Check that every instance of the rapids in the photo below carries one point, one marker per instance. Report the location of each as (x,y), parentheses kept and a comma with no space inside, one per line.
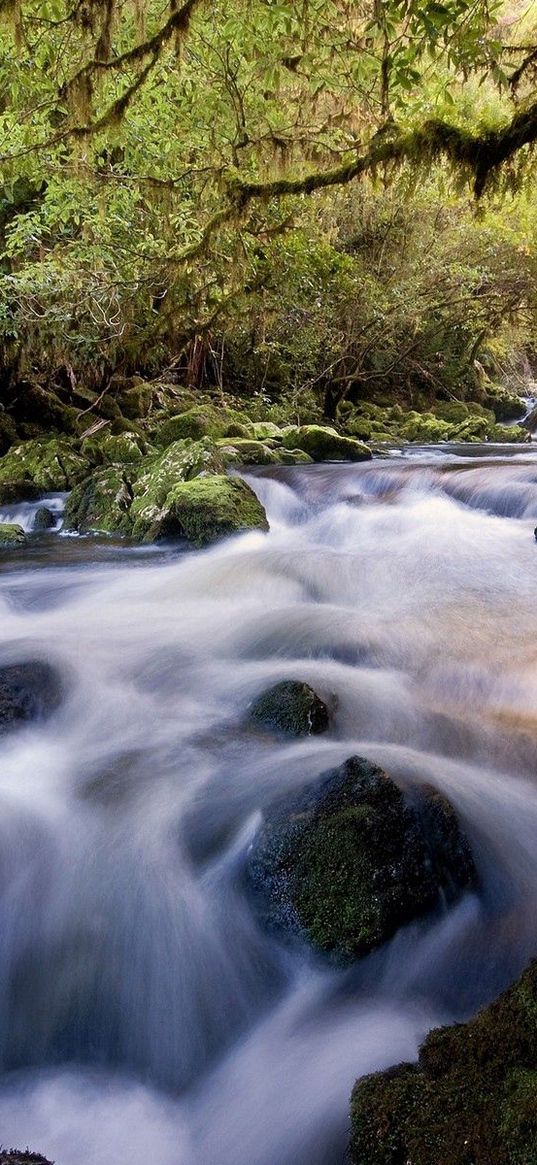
(143,1014)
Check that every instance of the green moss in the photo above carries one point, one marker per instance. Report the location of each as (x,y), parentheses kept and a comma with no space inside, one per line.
(324,444)
(208,508)
(264,430)
(246,452)
(291,708)
(107,449)
(100,503)
(196,423)
(470,1100)
(346,861)
(11,535)
(51,463)
(160,473)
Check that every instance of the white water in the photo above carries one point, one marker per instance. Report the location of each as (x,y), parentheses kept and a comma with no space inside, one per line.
(143,1014)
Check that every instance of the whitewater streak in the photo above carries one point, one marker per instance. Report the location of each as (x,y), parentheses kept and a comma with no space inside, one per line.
(143,1013)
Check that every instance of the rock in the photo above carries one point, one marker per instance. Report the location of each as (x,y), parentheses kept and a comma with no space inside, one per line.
(207,508)
(46,464)
(18,491)
(101,503)
(203,421)
(247,452)
(126,448)
(470,1100)
(291,708)
(44,519)
(11,535)
(160,474)
(15,1157)
(347,860)
(265,430)
(28,691)
(324,444)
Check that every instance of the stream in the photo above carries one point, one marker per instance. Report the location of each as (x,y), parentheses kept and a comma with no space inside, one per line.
(144,1014)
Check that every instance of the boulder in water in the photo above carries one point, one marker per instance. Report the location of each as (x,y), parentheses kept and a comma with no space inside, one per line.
(470,1100)
(291,708)
(11,535)
(28,691)
(44,519)
(325,444)
(208,508)
(100,503)
(348,860)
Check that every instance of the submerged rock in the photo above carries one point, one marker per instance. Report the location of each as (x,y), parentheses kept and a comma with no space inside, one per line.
(292,708)
(28,691)
(348,860)
(325,444)
(208,508)
(11,534)
(470,1100)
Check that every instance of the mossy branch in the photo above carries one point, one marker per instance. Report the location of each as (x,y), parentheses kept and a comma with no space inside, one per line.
(480,155)
(177,24)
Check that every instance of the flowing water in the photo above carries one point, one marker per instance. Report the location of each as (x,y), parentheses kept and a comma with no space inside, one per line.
(143,1013)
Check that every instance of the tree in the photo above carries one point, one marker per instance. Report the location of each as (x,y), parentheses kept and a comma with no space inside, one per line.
(146,161)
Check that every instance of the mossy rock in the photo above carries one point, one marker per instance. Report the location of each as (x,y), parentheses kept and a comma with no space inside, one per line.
(11,535)
(235,429)
(505,405)
(246,452)
(347,860)
(100,503)
(209,508)
(293,457)
(470,1100)
(194,424)
(160,473)
(8,433)
(510,433)
(44,519)
(453,411)
(324,444)
(290,708)
(265,431)
(49,464)
(108,449)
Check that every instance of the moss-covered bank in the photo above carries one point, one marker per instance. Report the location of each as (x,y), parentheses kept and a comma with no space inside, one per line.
(470,1100)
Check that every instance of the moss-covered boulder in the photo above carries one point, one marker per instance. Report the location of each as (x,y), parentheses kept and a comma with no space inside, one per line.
(160,473)
(47,463)
(348,860)
(100,503)
(324,444)
(241,451)
(107,448)
(196,423)
(291,708)
(11,535)
(505,405)
(265,431)
(28,691)
(44,519)
(206,509)
(470,1100)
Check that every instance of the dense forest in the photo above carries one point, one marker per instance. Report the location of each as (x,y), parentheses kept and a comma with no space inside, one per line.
(297,204)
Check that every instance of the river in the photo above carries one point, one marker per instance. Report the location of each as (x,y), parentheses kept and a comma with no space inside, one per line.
(143,1013)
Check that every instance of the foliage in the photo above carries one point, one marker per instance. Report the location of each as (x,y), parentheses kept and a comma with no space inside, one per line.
(153,171)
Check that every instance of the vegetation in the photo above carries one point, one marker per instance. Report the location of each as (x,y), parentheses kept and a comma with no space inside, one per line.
(471,1099)
(259,201)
